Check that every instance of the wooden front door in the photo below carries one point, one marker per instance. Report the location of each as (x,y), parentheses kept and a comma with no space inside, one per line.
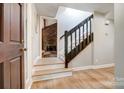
(11,46)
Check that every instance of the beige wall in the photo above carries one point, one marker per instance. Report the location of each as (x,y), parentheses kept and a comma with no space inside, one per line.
(103,40)
(119,44)
(35,34)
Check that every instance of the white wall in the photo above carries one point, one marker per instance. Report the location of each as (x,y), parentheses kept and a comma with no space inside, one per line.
(119,44)
(103,40)
(32,39)
(35,34)
(68,18)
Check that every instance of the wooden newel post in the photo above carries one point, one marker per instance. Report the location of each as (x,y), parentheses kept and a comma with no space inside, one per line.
(66,49)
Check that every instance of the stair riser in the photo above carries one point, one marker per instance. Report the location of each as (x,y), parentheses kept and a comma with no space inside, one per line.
(52,76)
(47,67)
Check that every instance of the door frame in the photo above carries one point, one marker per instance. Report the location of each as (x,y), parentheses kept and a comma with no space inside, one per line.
(23,63)
(25,44)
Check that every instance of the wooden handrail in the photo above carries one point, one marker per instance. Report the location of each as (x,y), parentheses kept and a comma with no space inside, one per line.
(62,36)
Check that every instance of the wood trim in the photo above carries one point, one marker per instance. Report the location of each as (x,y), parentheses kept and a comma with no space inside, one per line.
(22,39)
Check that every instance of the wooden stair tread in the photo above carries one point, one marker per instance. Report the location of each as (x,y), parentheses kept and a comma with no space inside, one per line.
(51,71)
(49,61)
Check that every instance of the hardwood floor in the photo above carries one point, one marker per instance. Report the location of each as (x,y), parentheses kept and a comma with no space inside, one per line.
(94,78)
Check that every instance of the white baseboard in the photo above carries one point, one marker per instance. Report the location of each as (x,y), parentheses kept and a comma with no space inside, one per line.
(28,84)
(119,83)
(52,76)
(119,79)
(92,67)
(81,68)
(102,66)
(36,59)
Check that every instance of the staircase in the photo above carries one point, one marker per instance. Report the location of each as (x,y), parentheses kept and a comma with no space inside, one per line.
(50,68)
(77,39)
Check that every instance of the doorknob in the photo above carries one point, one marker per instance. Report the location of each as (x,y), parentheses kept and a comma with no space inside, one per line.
(23,49)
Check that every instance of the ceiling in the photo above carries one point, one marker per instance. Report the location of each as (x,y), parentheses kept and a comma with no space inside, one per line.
(50,9)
